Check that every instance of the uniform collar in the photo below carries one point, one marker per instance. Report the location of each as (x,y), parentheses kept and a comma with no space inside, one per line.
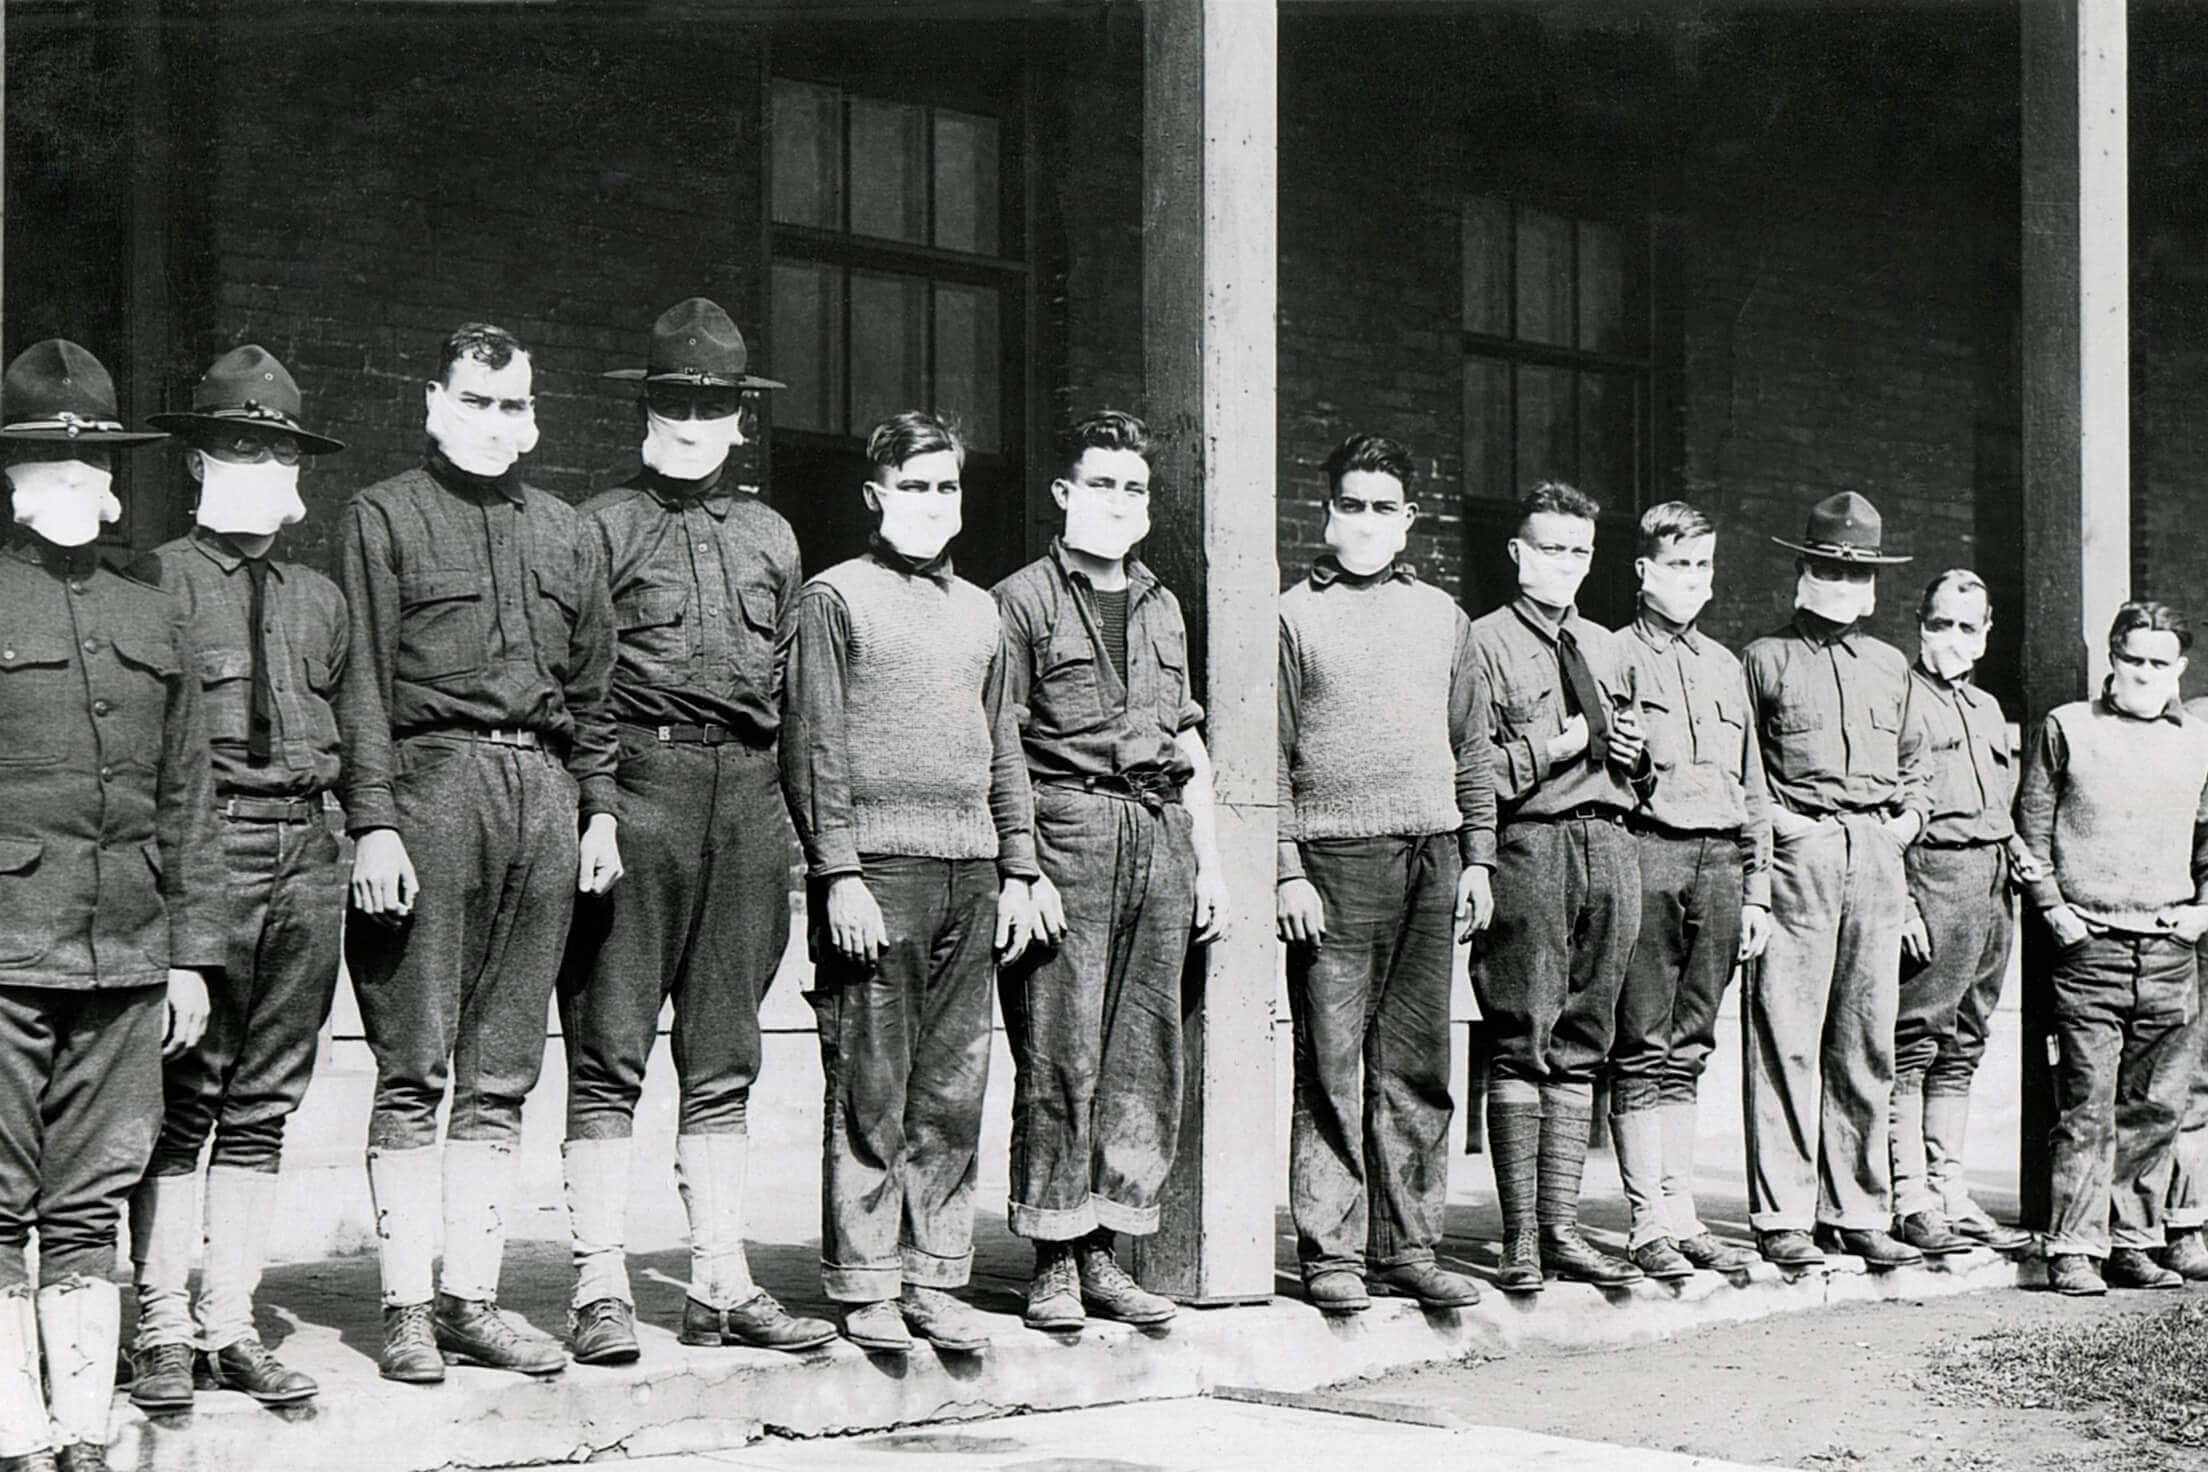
(936,568)
(1531,615)
(716,492)
(1327,569)
(63,562)
(1962,687)
(1824,632)
(2174,712)
(217,548)
(467,483)
(1657,635)
(1141,581)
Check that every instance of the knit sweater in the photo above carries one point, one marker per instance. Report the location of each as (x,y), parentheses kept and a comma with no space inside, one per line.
(1371,754)
(915,729)
(2114,808)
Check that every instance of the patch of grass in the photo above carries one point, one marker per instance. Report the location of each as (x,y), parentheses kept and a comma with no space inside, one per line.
(2146,1375)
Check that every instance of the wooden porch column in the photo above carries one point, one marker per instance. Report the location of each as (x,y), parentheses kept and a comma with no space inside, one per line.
(1209,288)
(2077,417)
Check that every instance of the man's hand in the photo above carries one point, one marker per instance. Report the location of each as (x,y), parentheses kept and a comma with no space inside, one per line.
(1755,931)
(2069,929)
(1298,912)
(1569,742)
(2187,922)
(601,856)
(1211,906)
(1628,743)
(1916,941)
(1475,902)
(855,926)
(1049,909)
(187,1010)
(2023,868)
(1015,920)
(384,886)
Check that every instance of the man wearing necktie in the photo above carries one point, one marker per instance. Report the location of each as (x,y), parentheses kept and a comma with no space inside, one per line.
(1569,754)
(1847,779)
(271,638)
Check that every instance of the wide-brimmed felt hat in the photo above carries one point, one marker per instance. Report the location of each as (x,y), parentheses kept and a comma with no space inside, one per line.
(55,390)
(1844,528)
(695,343)
(247,388)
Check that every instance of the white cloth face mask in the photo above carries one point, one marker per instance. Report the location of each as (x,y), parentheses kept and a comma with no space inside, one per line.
(689,449)
(1950,653)
(64,501)
(1104,523)
(248,500)
(919,525)
(482,442)
(1676,593)
(1368,542)
(1550,581)
(1839,601)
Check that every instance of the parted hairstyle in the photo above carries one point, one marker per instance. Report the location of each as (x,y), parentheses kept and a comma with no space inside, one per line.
(1670,521)
(1370,452)
(2152,617)
(1106,429)
(914,432)
(1555,498)
(493,347)
(1962,580)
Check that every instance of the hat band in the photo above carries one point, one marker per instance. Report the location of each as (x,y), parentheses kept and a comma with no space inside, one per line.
(65,421)
(1839,551)
(251,412)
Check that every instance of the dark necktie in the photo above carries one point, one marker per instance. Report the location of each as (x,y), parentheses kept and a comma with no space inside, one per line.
(260,728)
(1582,696)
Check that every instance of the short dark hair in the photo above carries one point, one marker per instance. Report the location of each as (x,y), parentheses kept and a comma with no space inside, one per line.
(1962,580)
(1671,521)
(493,347)
(1554,498)
(1369,452)
(1106,429)
(915,432)
(2153,618)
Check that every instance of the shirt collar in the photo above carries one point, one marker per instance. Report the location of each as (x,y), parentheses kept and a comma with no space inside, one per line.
(219,550)
(2174,712)
(467,483)
(1140,579)
(716,493)
(1822,631)
(1656,636)
(1530,614)
(68,562)
(1327,569)
(937,568)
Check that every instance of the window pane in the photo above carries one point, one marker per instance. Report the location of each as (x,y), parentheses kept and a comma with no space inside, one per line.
(1602,294)
(969,356)
(1544,277)
(1487,266)
(1488,460)
(1545,439)
(808,155)
(966,182)
(889,338)
(1606,437)
(808,346)
(889,160)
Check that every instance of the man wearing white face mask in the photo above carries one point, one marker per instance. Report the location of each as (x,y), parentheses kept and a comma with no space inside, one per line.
(902,768)
(1956,939)
(1704,840)
(1098,675)
(476,724)
(1387,837)
(2114,808)
(704,580)
(272,641)
(1848,793)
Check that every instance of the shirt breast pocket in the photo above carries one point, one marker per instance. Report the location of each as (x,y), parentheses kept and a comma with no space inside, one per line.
(753,656)
(441,634)
(226,691)
(1068,695)
(1528,712)
(146,662)
(36,684)
(320,695)
(1171,649)
(652,627)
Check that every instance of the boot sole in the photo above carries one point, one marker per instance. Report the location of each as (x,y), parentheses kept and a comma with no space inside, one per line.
(279,1398)
(1386,1290)
(621,1354)
(898,1347)
(414,1377)
(733,1341)
(163,1405)
(1139,1321)
(1573,1275)
(1669,1275)
(1522,1287)
(534,1372)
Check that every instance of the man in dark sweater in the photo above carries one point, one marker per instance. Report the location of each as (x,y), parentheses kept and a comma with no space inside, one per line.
(1568,751)
(902,767)
(1387,837)
(475,725)
(1098,675)
(2114,808)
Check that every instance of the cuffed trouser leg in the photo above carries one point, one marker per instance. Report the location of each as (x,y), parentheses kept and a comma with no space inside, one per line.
(710,1171)
(80,1326)
(23,1422)
(240,1206)
(404,1185)
(479,1191)
(164,1232)
(596,1172)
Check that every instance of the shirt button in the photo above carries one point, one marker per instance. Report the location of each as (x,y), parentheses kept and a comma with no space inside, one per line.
(101,707)
(91,646)
(107,774)
(75,586)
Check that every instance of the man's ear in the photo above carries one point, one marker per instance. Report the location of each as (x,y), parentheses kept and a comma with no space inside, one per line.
(193,467)
(1410,511)
(871,495)
(1059,491)
(2178,669)
(1513,545)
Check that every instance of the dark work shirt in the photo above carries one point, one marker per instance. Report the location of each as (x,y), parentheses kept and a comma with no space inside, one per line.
(1111,627)
(1828,704)
(1709,770)
(476,605)
(304,639)
(1970,777)
(704,583)
(1078,716)
(1518,654)
(110,854)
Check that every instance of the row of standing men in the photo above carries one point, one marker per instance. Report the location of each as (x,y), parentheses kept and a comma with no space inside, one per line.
(566,738)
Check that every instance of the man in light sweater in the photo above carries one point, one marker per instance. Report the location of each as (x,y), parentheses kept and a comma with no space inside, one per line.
(1098,673)
(902,768)
(2114,808)
(1387,837)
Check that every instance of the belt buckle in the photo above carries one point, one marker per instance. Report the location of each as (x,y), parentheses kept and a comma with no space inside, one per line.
(230,807)
(666,735)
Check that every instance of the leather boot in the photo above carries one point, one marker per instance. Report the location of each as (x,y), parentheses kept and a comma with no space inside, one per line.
(164,1233)
(1929,1233)
(22,1395)
(1433,1285)
(1110,1292)
(2131,1267)
(710,1171)
(246,1364)
(2071,1274)
(943,1321)
(80,1324)
(1563,1161)
(602,1317)
(1054,1292)
(161,1378)
(759,1322)
(479,1332)
(1514,1137)
(2186,1254)
(410,1345)
(1877,1249)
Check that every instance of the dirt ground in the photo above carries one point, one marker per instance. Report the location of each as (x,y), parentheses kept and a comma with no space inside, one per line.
(1857,1387)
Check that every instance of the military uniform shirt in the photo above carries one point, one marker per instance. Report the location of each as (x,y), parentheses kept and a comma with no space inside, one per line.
(1519,656)
(1970,777)
(1828,712)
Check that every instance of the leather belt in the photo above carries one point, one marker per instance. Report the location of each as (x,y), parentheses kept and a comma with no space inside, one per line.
(1948,844)
(1655,829)
(496,735)
(698,736)
(1154,793)
(1586,812)
(269,809)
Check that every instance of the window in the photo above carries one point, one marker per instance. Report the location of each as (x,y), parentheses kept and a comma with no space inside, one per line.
(1558,370)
